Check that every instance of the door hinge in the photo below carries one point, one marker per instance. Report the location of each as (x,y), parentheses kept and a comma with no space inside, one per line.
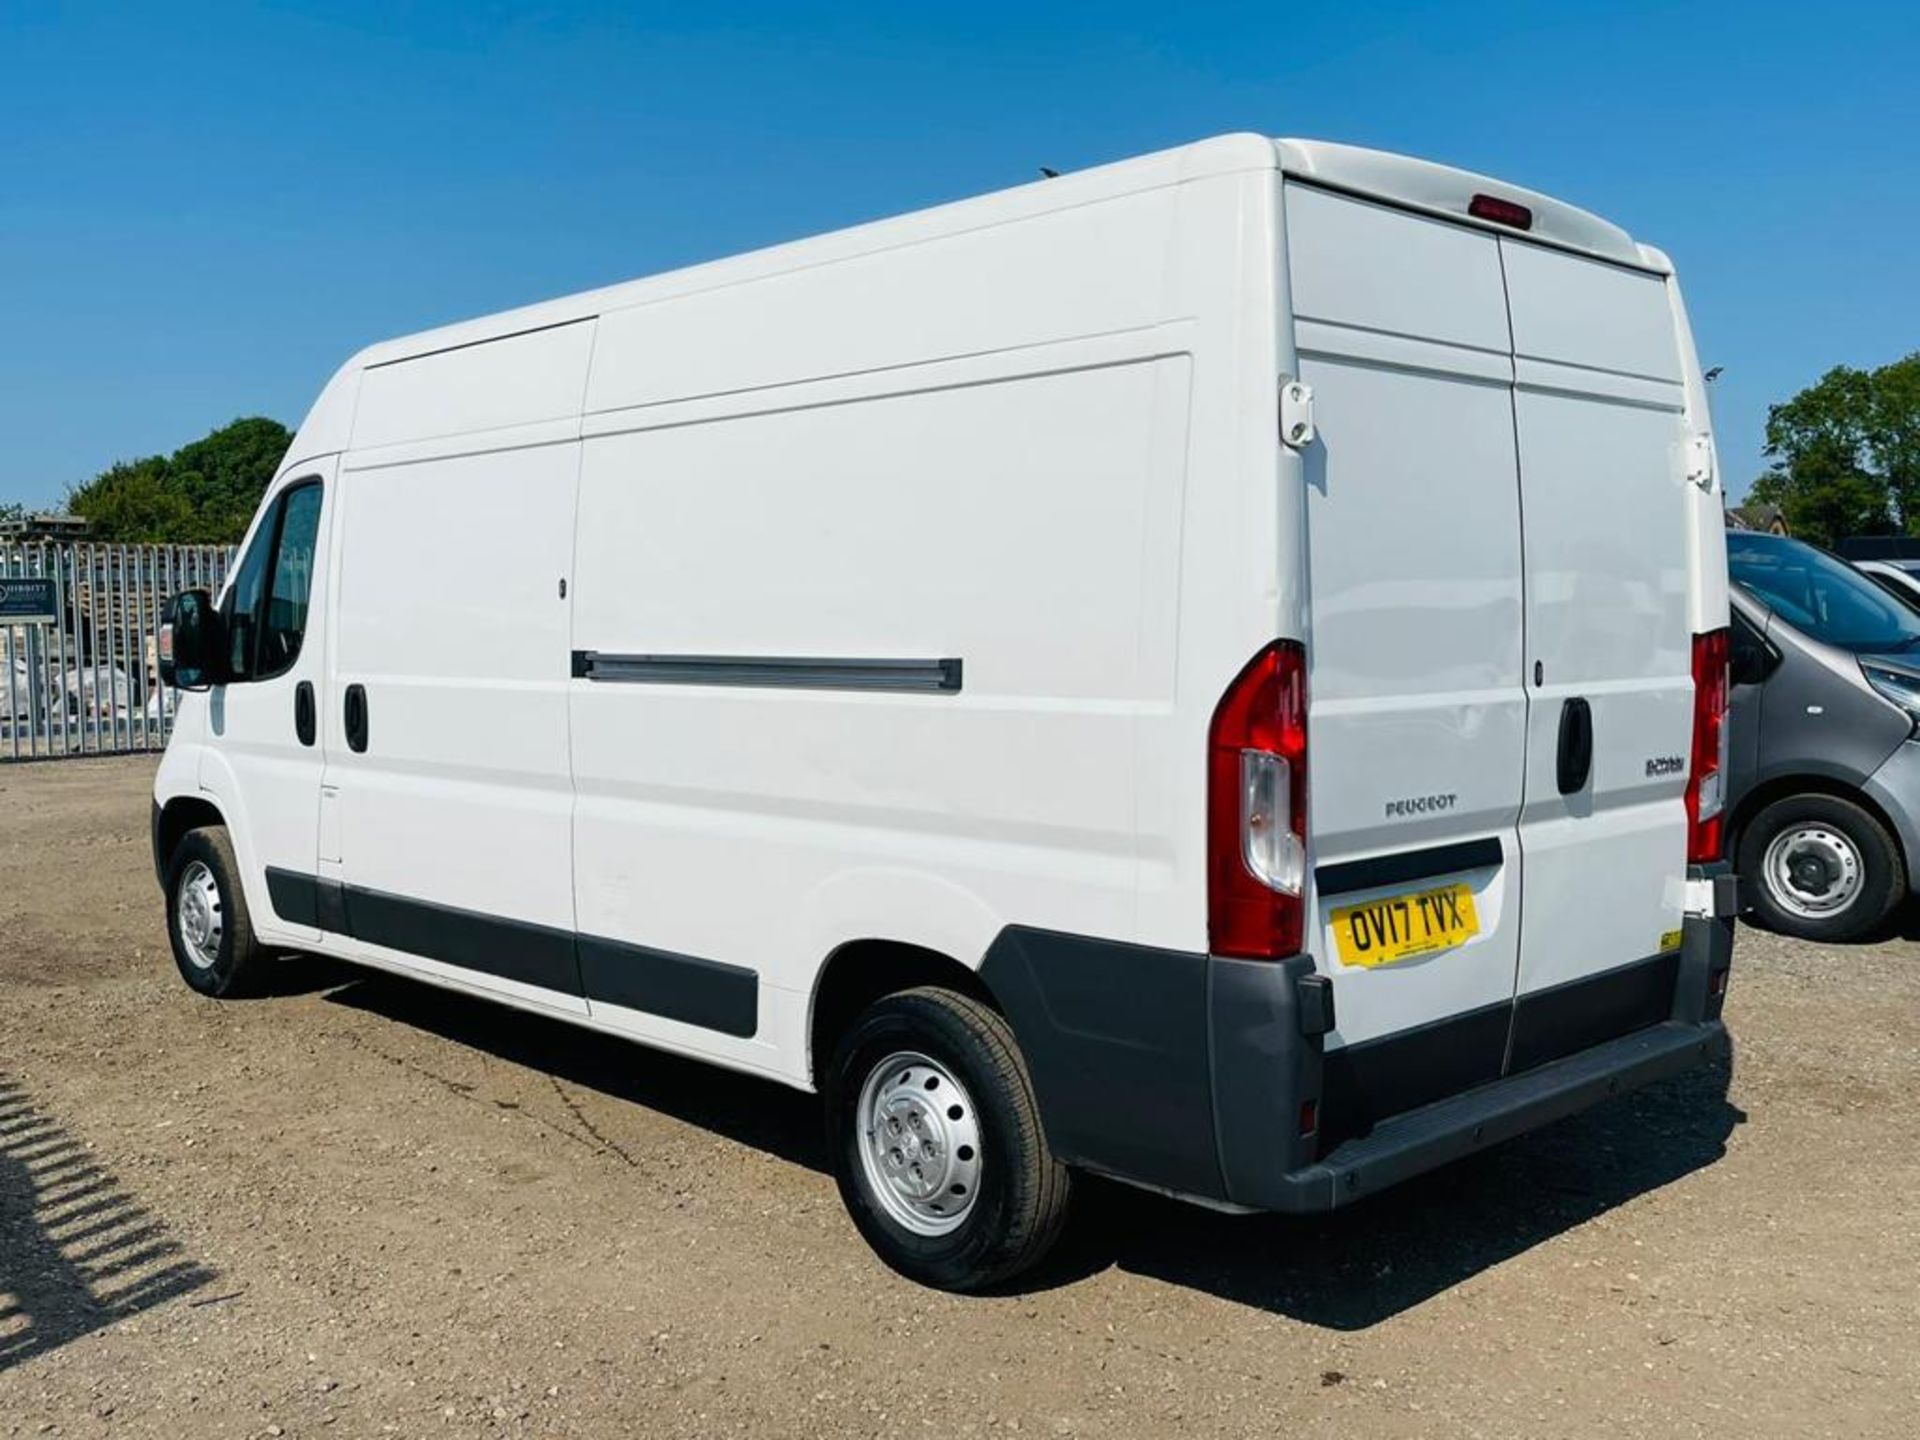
(1700,461)
(1296,414)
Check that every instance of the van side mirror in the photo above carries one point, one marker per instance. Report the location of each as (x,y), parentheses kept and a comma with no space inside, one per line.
(192,650)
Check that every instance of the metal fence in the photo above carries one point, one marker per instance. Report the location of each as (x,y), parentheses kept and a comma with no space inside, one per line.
(87,681)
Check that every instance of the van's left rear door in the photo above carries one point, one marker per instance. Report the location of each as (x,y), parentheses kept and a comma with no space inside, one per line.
(1418,707)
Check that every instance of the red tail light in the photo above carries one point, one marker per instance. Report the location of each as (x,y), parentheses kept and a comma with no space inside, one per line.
(1707,772)
(1257,808)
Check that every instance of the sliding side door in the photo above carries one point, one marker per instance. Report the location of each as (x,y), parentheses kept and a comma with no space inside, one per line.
(447,816)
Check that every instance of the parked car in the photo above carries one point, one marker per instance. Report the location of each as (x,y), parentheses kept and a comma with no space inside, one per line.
(1901,550)
(1070,675)
(1895,577)
(1824,771)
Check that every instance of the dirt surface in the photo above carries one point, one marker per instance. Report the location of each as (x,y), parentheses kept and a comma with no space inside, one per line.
(363,1207)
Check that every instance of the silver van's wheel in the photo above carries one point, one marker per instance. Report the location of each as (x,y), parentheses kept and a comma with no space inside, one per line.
(1812,871)
(937,1142)
(1820,867)
(210,931)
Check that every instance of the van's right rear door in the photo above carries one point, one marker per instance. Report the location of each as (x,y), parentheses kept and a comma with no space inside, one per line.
(1599,410)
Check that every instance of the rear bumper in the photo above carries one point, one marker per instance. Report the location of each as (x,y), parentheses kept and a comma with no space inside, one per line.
(1409,1144)
(1196,1074)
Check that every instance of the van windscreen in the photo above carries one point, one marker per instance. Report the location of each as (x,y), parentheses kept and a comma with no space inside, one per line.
(1821,595)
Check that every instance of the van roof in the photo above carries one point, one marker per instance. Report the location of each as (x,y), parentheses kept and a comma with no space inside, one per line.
(1447,191)
(1375,174)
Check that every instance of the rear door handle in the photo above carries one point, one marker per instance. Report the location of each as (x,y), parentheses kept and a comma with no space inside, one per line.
(303,712)
(1576,745)
(356,718)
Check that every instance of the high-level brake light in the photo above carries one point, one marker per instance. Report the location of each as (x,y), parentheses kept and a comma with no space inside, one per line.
(1500,212)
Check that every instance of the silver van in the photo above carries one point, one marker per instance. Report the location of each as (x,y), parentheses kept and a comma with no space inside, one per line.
(1824,769)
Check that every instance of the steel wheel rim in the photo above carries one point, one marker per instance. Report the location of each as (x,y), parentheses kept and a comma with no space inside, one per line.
(919,1139)
(198,918)
(1813,871)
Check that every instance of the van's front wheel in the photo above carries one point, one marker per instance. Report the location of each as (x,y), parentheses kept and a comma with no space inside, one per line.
(937,1142)
(1820,867)
(207,919)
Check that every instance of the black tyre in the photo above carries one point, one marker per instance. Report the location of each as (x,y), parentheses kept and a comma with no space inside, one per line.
(937,1142)
(1820,867)
(207,921)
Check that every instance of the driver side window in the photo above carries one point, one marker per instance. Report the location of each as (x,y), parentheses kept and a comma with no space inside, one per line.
(266,607)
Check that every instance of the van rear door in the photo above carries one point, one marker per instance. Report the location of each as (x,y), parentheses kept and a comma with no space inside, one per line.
(1418,704)
(1599,412)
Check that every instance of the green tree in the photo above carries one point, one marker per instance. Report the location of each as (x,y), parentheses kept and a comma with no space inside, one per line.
(131,501)
(1846,454)
(204,493)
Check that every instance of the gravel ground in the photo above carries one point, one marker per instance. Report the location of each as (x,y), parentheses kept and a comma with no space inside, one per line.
(366,1208)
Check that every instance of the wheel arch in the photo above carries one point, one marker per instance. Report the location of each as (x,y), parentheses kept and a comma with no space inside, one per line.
(1783,787)
(859,972)
(171,822)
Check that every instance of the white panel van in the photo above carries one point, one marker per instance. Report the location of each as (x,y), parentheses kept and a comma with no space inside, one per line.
(1209,670)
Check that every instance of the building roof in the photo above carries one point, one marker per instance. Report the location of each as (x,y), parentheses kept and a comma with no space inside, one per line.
(1757,517)
(44,525)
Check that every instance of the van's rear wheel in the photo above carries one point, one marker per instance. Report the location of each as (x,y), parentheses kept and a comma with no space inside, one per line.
(1820,867)
(207,920)
(937,1142)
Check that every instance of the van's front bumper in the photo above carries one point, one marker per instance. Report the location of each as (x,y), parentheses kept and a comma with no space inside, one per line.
(1895,788)
(153,837)
(1204,1076)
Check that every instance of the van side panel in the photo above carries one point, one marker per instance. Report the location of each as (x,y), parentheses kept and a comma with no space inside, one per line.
(1707,598)
(475,389)
(961,456)
(1001,524)
(973,293)
(1236,515)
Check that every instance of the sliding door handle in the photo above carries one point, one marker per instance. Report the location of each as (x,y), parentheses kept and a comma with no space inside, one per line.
(356,718)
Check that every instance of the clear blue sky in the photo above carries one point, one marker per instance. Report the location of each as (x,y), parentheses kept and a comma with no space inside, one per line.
(205,207)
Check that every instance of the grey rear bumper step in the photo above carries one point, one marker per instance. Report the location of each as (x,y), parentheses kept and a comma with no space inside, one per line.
(1448,1129)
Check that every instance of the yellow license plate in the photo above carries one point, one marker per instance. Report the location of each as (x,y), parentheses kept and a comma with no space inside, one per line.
(1403,927)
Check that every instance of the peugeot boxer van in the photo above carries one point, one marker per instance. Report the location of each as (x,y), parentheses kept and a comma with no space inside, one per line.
(1823,772)
(1210,671)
